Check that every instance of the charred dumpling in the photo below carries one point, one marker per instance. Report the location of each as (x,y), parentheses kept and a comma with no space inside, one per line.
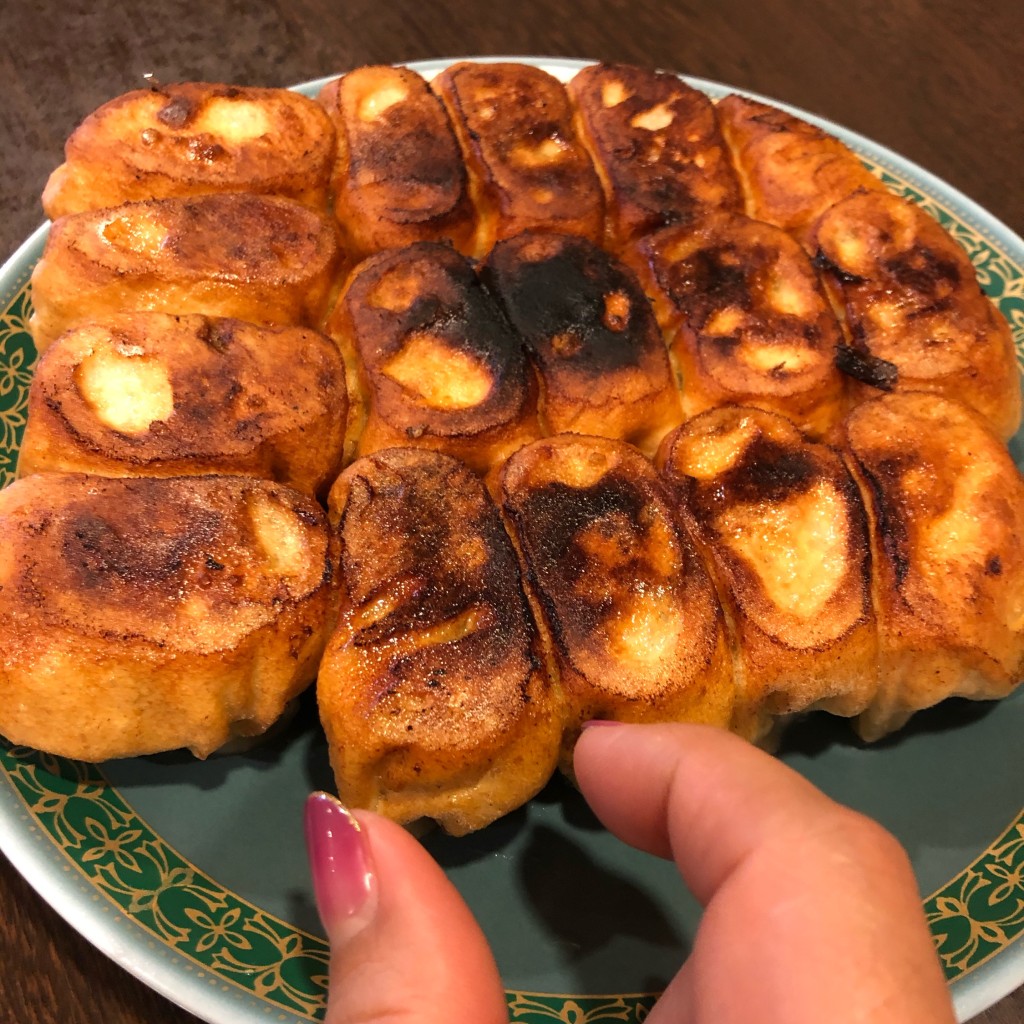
(592,334)
(633,625)
(915,315)
(433,691)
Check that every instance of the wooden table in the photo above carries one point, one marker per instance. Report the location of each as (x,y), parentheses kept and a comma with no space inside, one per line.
(939,83)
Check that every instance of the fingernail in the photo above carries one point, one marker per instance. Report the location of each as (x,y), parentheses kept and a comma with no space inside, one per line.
(342,867)
(599,721)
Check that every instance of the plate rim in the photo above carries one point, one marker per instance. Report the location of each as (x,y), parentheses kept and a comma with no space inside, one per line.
(112,932)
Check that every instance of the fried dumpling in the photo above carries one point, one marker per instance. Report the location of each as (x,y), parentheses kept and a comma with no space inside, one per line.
(151,394)
(657,148)
(194,138)
(432,691)
(782,525)
(633,624)
(399,176)
(142,615)
(915,316)
(791,170)
(946,507)
(527,167)
(436,362)
(256,258)
(746,317)
(590,329)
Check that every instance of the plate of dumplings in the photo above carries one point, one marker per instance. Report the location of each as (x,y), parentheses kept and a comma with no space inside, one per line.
(373,435)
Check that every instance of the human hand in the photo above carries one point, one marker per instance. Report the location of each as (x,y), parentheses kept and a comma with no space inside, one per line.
(811,910)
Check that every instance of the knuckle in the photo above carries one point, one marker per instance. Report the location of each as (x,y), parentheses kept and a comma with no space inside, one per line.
(866,842)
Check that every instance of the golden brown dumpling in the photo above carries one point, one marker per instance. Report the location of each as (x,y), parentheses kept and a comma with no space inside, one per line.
(657,148)
(141,615)
(194,138)
(784,531)
(746,318)
(946,506)
(432,691)
(150,394)
(256,258)
(527,167)
(791,170)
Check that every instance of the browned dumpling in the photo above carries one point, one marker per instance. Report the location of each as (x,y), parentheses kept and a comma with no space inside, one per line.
(151,394)
(432,691)
(784,530)
(946,506)
(603,365)
(437,364)
(657,148)
(193,138)
(791,171)
(527,167)
(398,177)
(631,617)
(252,257)
(915,315)
(746,317)
(145,615)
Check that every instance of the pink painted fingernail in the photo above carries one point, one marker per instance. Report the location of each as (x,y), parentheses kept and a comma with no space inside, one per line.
(599,721)
(339,856)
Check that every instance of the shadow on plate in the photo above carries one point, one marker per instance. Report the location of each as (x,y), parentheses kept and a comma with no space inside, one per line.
(302,912)
(814,734)
(588,907)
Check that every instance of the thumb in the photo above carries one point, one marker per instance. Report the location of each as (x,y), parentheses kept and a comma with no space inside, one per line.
(404,947)
(811,911)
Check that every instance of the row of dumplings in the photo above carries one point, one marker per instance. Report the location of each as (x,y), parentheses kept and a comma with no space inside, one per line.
(460,635)
(782,272)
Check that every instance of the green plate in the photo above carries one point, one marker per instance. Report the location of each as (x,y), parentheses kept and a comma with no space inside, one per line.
(192,874)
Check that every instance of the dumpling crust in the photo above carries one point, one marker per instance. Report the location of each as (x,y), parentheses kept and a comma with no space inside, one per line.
(590,329)
(784,530)
(194,138)
(256,258)
(151,394)
(432,691)
(657,147)
(631,617)
(947,533)
(140,615)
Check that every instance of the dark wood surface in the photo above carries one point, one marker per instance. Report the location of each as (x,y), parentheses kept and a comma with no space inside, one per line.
(938,82)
